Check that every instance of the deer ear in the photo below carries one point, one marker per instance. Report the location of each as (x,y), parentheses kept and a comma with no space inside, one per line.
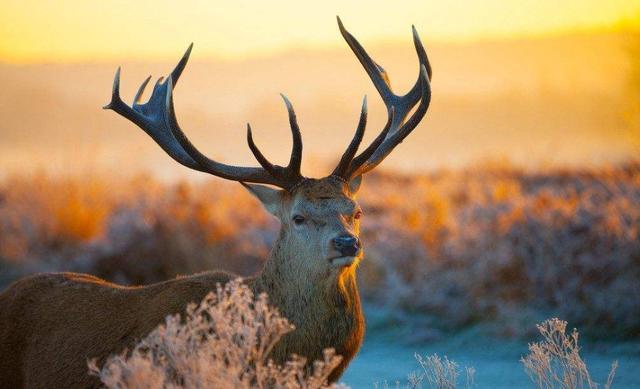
(354,184)
(269,197)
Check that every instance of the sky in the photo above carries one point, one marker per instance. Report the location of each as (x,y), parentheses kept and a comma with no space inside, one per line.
(33,31)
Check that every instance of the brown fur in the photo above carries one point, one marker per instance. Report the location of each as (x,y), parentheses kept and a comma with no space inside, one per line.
(51,324)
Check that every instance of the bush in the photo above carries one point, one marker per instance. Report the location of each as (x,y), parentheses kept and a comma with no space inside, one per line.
(439,373)
(511,247)
(555,362)
(492,244)
(224,342)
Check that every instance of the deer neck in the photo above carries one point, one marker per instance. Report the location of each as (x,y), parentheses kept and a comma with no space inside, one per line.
(325,308)
(300,295)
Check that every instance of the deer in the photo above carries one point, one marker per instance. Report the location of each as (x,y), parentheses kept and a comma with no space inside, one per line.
(51,324)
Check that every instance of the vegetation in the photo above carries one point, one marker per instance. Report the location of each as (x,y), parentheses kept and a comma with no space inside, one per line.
(491,244)
(224,342)
(555,362)
(439,373)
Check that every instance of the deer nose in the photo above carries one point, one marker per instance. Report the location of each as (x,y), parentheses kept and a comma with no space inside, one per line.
(347,245)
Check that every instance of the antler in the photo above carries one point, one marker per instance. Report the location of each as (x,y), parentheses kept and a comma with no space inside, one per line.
(158,119)
(398,126)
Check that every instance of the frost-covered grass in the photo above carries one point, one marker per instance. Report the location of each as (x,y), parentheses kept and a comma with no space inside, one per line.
(509,247)
(489,244)
(555,362)
(224,342)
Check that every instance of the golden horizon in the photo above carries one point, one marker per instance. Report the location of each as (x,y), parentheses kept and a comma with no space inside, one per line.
(80,31)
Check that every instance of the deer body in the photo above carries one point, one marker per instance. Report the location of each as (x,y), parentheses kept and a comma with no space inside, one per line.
(101,319)
(51,324)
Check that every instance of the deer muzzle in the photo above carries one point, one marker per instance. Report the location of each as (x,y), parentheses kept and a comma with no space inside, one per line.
(347,245)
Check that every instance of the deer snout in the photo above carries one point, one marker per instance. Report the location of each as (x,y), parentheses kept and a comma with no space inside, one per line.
(347,245)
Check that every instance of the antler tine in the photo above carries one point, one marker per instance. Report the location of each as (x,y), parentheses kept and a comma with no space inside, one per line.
(375,71)
(348,155)
(116,101)
(359,161)
(364,164)
(380,78)
(138,96)
(398,107)
(422,53)
(177,71)
(293,169)
(264,162)
(161,137)
(175,75)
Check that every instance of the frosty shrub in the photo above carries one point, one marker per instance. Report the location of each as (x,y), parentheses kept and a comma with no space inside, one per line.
(128,230)
(555,362)
(491,244)
(436,373)
(224,342)
(506,246)
(439,373)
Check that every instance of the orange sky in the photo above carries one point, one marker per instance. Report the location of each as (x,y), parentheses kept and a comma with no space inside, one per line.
(78,30)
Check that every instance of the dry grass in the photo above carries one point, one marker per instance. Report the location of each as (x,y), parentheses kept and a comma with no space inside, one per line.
(439,373)
(490,244)
(512,247)
(224,342)
(436,373)
(555,362)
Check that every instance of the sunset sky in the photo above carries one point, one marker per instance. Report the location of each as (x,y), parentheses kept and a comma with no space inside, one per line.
(78,30)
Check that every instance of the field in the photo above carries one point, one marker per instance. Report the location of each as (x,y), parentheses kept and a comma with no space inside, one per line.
(492,249)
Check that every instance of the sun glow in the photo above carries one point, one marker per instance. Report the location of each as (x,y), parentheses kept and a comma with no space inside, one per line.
(77,30)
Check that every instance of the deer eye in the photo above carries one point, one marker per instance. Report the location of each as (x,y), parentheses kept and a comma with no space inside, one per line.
(298,219)
(358,215)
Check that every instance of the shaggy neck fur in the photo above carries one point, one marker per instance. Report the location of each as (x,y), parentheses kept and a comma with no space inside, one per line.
(325,308)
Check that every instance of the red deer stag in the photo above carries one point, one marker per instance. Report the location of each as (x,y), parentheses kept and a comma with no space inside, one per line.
(51,324)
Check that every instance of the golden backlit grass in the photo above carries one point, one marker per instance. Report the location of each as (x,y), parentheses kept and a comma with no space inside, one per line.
(491,244)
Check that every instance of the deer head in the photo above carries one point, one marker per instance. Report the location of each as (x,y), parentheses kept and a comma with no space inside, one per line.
(319,217)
